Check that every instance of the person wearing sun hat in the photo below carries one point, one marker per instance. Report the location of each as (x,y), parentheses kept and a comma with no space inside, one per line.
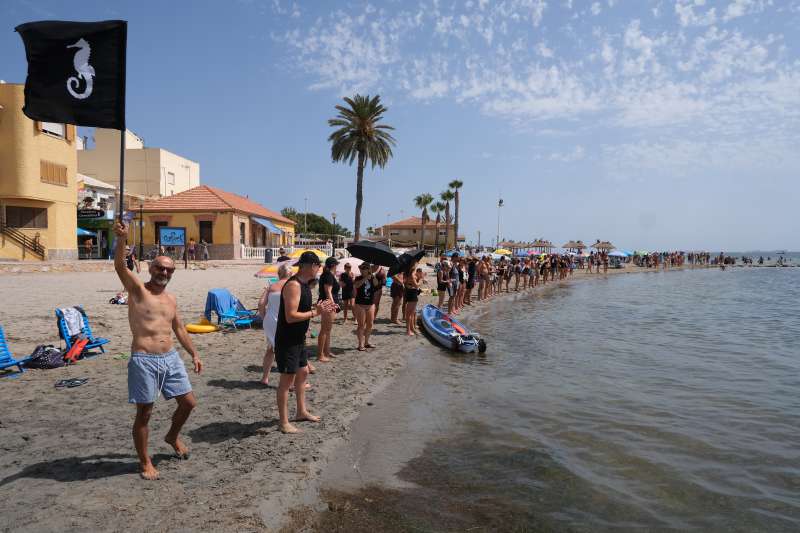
(295,313)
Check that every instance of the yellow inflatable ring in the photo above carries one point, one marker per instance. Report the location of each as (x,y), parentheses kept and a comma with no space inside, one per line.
(201,328)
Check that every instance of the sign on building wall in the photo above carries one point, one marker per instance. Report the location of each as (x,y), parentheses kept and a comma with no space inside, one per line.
(169,236)
(91,213)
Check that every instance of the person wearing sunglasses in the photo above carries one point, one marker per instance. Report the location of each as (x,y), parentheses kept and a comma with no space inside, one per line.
(155,368)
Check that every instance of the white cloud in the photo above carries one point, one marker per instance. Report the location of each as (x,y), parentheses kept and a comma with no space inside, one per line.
(636,77)
(740,8)
(596,9)
(575,154)
(543,50)
(685,9)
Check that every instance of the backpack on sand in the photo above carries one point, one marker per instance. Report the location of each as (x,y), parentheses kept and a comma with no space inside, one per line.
(46,356)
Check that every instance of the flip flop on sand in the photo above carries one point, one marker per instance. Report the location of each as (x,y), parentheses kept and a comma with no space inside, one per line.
(70,383)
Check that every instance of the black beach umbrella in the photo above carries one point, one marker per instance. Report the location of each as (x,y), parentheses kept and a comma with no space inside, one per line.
(376,253)
(405,260)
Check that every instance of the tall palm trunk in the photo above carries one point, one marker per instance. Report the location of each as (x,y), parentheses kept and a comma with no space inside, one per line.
(362,156)
(455,224)
(446,225)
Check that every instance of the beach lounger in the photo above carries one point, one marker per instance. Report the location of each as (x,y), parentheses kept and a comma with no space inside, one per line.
(84,332)
(6,359)
(230,311)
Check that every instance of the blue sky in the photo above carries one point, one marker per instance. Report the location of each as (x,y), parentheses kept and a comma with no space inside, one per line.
(664,124)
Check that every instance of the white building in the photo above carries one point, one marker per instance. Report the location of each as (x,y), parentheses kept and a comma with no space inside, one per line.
(148,171)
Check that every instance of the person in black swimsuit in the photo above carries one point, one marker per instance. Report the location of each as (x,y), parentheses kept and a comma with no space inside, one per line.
(328,290)
(380,282)
(411,286)
(397,294)
(294,315)
(346,284)
(364,309)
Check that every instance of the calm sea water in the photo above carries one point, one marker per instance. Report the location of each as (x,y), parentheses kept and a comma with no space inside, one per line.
(647,402)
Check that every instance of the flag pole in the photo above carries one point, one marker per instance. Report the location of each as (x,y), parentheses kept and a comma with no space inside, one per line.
(121,172)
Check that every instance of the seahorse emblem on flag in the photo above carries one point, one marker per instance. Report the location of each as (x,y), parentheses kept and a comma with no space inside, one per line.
(84,69)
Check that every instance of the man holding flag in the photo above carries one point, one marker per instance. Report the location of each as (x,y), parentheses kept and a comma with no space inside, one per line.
(76,75)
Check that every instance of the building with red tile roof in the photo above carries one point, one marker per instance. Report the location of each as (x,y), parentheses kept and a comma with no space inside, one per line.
(226,221)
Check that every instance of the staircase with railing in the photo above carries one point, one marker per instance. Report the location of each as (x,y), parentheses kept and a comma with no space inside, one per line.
(32,246)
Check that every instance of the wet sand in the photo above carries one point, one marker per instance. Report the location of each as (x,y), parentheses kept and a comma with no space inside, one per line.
(68,460)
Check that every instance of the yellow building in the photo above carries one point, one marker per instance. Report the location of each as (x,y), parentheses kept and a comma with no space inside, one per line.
(226,221)
(148,171)
(407,232)
(38,190)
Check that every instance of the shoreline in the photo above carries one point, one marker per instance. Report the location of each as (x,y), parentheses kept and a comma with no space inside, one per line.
(243,473)
(304,515)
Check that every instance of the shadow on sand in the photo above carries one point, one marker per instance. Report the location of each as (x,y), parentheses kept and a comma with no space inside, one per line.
(217,432)
(249,384)
(86,468)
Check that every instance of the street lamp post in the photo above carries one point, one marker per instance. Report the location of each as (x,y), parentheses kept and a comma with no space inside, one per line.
(333,216)
(499,205)
(305,217)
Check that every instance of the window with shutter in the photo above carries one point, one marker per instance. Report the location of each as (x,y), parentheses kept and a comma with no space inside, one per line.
(53,173)
(26,217)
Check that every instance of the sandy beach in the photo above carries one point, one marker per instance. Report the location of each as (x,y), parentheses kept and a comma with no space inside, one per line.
(69,461)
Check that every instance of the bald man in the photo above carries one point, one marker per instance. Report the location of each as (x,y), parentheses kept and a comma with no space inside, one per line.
(155,367)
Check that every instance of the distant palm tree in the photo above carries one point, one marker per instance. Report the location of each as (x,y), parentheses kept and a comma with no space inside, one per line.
(456,185)
(438,208)
(360,136)
(447,196)
(422,202)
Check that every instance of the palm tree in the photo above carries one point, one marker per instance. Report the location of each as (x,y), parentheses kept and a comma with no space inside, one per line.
(447,196)
(456,185)
(438,208)
(360,136)
(422,202)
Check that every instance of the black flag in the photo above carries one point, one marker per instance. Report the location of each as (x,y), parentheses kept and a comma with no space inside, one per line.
(76,72)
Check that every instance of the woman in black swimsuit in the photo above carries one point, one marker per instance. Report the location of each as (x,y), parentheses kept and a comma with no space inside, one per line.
(346,284)
(364,309)
(397,292)
(380,282)
(328,290)
(411,285)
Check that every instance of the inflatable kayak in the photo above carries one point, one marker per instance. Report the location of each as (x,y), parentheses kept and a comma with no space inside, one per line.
(449,332)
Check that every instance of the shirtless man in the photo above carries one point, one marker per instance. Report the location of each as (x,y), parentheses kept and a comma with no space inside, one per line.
(155,367)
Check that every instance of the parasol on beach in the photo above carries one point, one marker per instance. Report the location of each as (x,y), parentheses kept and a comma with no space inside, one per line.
(271,271)
(503,251)
(603,245)
(319,253)
(376,253)
(354,263)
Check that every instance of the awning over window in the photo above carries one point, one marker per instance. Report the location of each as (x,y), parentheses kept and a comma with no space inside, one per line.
(272,228)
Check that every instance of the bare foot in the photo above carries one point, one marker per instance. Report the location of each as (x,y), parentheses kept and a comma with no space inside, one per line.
(288,429)
(411,334)
(330,355)
(311,369)
(148,472)
(324,359)
(265,381)
(361,349)
(181,451)
(306,387)
(368,345)
(307,417)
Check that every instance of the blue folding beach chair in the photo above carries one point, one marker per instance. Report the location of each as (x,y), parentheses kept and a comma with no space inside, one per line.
(6,359)
(230,311)
(86,332)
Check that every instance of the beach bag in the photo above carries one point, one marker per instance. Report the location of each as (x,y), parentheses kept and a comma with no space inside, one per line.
(46,356)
